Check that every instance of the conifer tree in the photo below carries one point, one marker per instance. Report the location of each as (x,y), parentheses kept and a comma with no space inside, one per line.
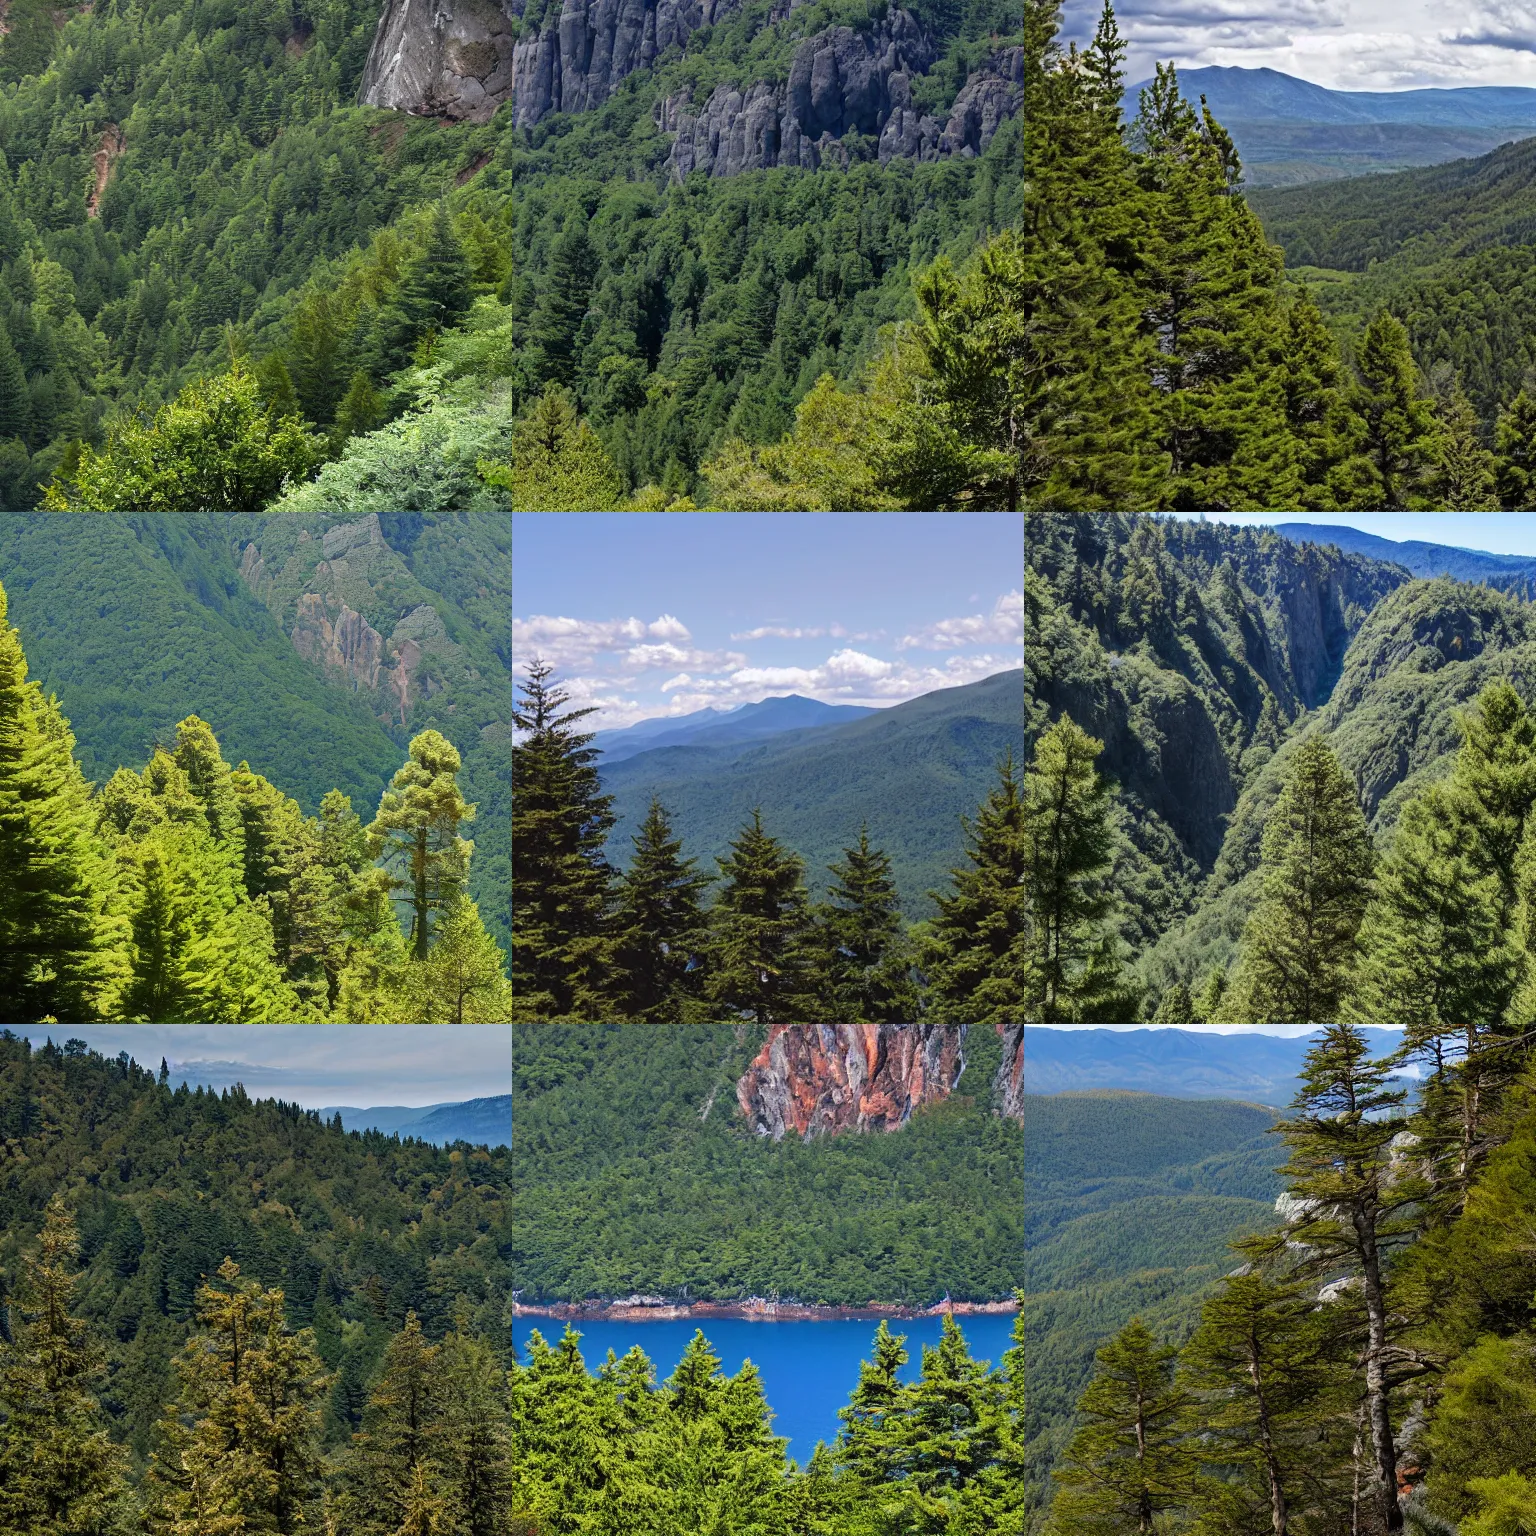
(1300,946)
(560,878)
(869,1445)
(863,960)
(1465,473)
(473,1440)
(1514,441)
(239,1448)
(1493,783)
(1400,431)
(1176,1006)
(1207,1006)
(57,936)
(418,826)
(1127,1463)
(558,463)
(59,1471)
(462,980)
(1351,1203)
(556,323)
(659,931)
(1049,881)
(761,924)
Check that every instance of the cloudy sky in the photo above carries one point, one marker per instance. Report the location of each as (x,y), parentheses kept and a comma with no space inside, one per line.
(1352,45)
(1499,533)
(662,614)
(359,1064)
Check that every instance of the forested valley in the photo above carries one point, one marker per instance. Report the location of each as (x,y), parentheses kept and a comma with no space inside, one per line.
(592,943)
(1368,741)
(224,286)
(1173,361)
(194,892)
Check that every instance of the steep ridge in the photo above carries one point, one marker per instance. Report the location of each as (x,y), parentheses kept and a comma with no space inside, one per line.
(1008,1089)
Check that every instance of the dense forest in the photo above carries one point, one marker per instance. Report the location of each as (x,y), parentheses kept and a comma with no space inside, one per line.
(1173,364)
(223,286)
(638,1172)
(590,942)
(195,892)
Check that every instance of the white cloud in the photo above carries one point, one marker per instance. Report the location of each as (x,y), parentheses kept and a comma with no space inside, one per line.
(647,656)
(1004,625)
(567,642)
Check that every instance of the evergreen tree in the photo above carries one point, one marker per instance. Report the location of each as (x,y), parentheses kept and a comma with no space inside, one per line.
(761,924)
(1127,1463)
(238,1450)
(59,1471)
(462,980)
(1400,432)
(275,384)
(15,401)
(473,1445)
(1207,1007)
(57,936)
(659,931)
(560,879)
(1050,880)
(556,323)
(316,356)
(1176,1007)
(863,961)
(1300,946)
(558,462)
(1465,474)
(1514,441)
(361,409)
(1493,784)
(418,826)
(870,1445)
(1350,1204)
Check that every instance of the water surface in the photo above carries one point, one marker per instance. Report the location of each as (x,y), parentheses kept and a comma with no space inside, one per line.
(809,1367)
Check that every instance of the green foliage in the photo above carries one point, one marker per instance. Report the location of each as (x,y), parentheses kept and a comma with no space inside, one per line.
(641,1119)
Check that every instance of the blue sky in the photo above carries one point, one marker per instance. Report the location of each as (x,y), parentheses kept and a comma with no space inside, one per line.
(1500,533)
(646,614)
(315,1065)
(1350,45)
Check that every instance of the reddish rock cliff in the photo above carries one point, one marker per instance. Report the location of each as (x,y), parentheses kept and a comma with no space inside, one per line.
(1010,1075)
(815,1078)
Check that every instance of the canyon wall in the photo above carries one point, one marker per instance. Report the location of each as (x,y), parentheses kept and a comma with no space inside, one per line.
(441,58)
(1008,1090)
(816,1079)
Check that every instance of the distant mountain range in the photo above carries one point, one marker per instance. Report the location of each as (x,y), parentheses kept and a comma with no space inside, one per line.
(1290,131)
(725,727)
(1183,1063)
(910,771)
(1421,558)
(481,1121)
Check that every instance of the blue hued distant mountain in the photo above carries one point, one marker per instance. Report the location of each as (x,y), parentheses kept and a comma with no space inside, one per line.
(1419,557)
(1290,131)
(726,727)
(482,1121)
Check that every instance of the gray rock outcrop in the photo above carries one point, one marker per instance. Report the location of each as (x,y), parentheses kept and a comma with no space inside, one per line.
(441,58)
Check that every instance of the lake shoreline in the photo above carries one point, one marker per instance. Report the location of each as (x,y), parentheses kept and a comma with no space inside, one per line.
(753,1310)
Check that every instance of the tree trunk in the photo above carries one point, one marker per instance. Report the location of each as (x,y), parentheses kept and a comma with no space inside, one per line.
(1383,1449)
(1277,1510)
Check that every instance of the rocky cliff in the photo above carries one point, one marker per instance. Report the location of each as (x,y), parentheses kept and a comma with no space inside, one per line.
(816,1079)
(441,58)
(1009,1087)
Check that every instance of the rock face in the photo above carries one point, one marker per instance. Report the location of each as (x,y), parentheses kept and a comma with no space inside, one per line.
(843,82)
(1009,1087)
(815,1079)
(441,58)
(573,64)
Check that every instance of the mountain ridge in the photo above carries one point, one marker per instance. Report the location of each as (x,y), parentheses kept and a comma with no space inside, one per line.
(766,717)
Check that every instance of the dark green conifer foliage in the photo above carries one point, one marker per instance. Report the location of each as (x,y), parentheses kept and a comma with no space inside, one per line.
(869,1444)
(59,1471)
(1514,441)
(473,1447)
(1176,1006)
(863,962)
(56,937)
(1128,1463)
(556,324)
(1399,418)
(1300,946)
(15,402)
(761,924)
(361,409)
(1465,474)
(659,931)
(560,878)
(275,384)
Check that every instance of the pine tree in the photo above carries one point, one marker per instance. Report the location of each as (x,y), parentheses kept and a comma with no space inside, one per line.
(556,323)
(1351,1202)
(15,401)
(238,1450)
(57,936)
(473,1439)
(1465,473)
(1208,1005)
(275,384)
(1053,873)
(1300,946)
(462,980)
(869,1445)
(863,962)
(1493,785)
(1127,1464)
(361,409)
(1399,419)
(59,1471)
(761,924)
(558,463)
(1514,441)
(418,825)
(659,931)
(560,878)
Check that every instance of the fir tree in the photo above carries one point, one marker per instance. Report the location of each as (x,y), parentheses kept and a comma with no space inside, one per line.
(863,960)
(761,924)
(659,931)
(473,1448)
(870,1445)
(1399,419)
(1465,474)
(1127,1464)
(560,878)
(361,409)
(59,1471)
(1300,946)
(462,980)
(558,463)
(1514,441)
(418,826)
(557,321)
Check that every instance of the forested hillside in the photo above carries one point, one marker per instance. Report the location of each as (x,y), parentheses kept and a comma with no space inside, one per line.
(219,277)
(315,648)
(635,1119)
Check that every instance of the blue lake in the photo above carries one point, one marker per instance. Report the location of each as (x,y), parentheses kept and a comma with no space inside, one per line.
(809,1368)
